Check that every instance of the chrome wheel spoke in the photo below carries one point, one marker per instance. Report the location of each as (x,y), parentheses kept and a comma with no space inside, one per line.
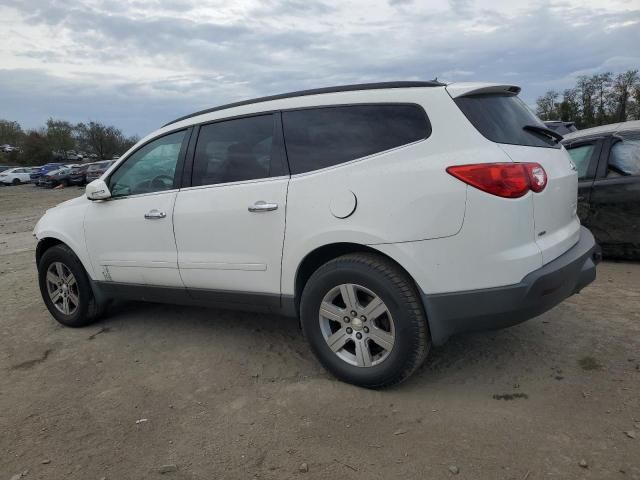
(331,312)
(381,338)
(65,305)
(363,355)
(59,269)
(55,295)
(338,340)
(74,299)
(374,308)
(349,298)
(70,279)
(52,278)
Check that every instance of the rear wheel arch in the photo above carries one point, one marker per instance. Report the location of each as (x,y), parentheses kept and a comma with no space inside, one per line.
(321,255)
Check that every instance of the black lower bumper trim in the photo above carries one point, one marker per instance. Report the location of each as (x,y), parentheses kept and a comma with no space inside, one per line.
(539,291)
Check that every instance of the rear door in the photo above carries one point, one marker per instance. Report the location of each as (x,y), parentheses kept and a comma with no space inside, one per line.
(503,118)
(615,197)
(229,223)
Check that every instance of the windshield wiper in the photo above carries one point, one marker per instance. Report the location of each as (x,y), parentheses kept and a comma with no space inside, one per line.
(544,131)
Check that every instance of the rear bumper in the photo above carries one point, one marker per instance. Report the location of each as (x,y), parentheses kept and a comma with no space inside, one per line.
(539,291)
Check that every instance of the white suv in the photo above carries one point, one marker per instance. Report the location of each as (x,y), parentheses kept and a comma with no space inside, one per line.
(388,217)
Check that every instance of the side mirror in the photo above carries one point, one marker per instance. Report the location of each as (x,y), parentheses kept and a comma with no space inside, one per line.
(97,190)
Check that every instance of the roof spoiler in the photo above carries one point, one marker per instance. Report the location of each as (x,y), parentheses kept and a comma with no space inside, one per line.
(465,89)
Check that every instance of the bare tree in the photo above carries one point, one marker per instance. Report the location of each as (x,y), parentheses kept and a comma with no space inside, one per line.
(623,89)
(546,105)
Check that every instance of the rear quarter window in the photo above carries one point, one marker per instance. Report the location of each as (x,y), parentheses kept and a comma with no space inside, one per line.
(322,137)
(501,118)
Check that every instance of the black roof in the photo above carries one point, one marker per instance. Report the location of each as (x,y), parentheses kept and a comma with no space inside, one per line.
(316,91)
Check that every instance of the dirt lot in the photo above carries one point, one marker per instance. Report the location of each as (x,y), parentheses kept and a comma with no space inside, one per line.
(235,395)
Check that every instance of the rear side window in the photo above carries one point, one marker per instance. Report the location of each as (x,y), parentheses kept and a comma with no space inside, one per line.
(625,157)
(501,119)
(581,155)
(234,151)
(321,137)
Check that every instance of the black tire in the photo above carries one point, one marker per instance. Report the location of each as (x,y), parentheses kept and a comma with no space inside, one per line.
(88,310)
(16,181)
(397,290)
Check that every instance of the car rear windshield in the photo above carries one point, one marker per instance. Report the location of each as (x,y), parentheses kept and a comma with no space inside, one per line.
(502,117)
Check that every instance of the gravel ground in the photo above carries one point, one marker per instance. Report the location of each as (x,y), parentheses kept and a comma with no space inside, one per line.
(157,391)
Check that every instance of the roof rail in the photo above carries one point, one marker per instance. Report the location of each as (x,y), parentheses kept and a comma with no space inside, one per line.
(315,91)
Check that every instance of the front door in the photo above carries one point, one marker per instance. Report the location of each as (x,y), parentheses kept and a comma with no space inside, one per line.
(229,224)
(130,236)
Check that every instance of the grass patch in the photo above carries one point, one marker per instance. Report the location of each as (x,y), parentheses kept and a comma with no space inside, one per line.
(589,363)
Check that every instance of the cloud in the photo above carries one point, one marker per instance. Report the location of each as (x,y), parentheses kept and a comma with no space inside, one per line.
(138,64)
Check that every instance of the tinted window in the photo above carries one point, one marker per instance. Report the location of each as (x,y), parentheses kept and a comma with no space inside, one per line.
(152,168)
(321,137)
(234,150)
(625,157)
(581,156)
(500,118)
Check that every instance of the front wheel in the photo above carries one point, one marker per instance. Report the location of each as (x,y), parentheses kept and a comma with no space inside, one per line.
(16,181)
(364,320)
(65,288)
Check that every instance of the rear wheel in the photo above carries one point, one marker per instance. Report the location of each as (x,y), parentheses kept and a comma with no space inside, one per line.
(16,181)
(363,318)
(65,288)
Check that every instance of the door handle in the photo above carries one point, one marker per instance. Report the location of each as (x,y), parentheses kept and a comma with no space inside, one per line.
(580,198)
(154,214)
(262,206)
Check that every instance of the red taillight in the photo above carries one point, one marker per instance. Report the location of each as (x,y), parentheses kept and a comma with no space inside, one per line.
(508,180)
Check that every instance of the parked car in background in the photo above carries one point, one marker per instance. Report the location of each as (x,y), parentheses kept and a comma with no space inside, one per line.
(608,163)
(7,167)
(79,174)
(561,127)
(35,176)
(15,176)
(96,169)
(386,216)
(61,176)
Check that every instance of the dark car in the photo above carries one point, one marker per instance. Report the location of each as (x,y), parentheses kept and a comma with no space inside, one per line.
(608,163)
(79,174)
(61,176)
(563,128)
(44,169)
(96,169)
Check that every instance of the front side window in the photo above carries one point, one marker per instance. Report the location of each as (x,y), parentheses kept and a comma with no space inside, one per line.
(625,157)
(321,137)
(581,155)
(150,169)
(234,151)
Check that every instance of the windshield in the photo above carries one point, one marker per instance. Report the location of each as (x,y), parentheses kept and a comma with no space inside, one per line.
(501,118)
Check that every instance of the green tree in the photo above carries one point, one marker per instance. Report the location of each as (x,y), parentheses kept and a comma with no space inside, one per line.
(36,149)
(10,133)
(60,137)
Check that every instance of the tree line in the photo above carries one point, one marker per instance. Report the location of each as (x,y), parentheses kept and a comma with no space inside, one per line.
(58,138)
(594,100)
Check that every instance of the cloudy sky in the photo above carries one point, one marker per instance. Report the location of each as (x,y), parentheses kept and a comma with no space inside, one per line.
(138,64)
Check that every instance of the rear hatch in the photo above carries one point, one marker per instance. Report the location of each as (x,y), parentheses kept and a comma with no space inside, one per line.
(500,116)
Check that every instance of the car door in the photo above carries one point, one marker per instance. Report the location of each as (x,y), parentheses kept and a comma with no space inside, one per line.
(229,222)
(130,236)
(615,196)
(585,154)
